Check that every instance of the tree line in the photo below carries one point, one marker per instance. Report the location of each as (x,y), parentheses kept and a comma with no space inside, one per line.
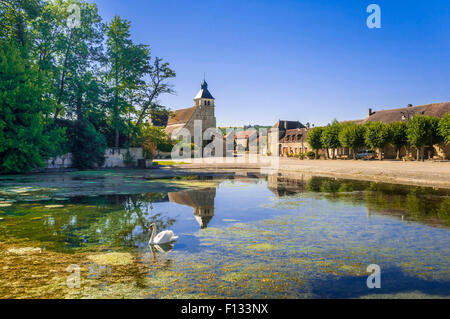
(419,132)
(79,89)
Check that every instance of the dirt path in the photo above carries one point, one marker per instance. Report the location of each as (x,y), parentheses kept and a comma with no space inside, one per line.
(434,174)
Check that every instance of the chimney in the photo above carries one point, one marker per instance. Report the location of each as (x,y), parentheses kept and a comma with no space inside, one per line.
(369,113)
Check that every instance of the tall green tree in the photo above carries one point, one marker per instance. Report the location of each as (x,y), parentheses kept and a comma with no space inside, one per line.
(314,139)
(422,131)
(398,136)
(444,128)
(16,17)
(159,73)
(377,136)
(25,141)
(70,55)
(127,63)
(352,136)
(330,137)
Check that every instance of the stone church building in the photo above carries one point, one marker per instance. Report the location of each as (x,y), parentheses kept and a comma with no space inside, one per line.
(202,110)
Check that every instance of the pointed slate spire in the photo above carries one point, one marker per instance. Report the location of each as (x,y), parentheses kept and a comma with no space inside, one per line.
(204,93)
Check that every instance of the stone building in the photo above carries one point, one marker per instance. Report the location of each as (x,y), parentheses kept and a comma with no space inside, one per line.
(294,142)
(291,138)
(244,140)
(203,110)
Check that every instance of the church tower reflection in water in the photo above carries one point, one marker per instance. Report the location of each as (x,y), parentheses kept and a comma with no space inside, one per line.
(201,200)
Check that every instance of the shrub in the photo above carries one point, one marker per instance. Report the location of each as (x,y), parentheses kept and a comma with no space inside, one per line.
(129,160)
(26,138)
(89,146)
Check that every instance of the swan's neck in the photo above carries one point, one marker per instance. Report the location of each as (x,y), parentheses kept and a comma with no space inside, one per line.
(153,234)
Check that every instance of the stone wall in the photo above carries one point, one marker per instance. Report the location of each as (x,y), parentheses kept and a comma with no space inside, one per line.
(114,158)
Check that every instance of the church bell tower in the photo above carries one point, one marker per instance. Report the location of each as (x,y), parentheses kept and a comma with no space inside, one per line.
(204,102)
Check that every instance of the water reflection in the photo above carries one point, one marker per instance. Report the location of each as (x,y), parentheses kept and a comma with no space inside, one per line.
(253,236)
(413,203)
(282,185)
(201,200)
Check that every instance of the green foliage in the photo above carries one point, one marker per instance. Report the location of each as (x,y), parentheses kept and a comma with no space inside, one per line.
(314,138)
(352,136)
(24,141)
(129,160)
(423,131)
(154,138)
(377,136)
(89,146)
(398,134)
(398,137)
(330,136)
(444,128)
(94,73)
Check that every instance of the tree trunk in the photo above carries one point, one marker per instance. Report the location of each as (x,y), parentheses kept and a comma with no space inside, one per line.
(315,154)
(354,154)
(380,154)
(418,154)
(398,153)
(116,142)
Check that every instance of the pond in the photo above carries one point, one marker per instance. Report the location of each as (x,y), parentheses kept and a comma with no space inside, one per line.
(241,235)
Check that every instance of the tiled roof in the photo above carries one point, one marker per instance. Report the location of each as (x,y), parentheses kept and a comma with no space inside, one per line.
(173,128)
(288,125)
(292,136)
(395,115)
(243,134)
(181,116)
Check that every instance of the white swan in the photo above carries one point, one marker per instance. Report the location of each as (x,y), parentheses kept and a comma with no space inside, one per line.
(164,237)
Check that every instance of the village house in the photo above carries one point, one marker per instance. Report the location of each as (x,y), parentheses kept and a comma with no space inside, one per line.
(294,143)
(292,134)
(404,114)
(244,140)
(292,138)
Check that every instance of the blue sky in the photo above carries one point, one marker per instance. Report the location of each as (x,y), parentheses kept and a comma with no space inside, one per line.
(307,60)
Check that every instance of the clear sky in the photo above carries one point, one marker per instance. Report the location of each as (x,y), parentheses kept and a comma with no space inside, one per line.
(307,60)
